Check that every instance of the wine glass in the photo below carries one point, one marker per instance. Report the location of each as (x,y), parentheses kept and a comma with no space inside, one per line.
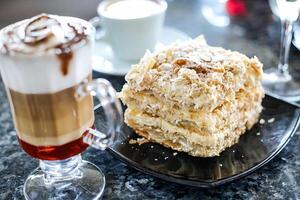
(279,82)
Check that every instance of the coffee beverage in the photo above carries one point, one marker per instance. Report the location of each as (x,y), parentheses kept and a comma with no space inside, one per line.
(41,81)
(131,27)
(45,65)
(132,9)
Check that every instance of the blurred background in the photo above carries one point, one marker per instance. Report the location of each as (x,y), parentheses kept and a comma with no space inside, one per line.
(15,10)
(244,25)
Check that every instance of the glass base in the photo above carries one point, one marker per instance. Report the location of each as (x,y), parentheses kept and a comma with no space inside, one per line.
(73,179)
(282,86)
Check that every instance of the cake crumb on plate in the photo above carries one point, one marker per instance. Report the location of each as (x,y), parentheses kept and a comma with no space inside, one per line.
(138,141)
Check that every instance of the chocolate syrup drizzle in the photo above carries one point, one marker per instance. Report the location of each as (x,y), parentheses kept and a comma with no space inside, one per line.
(65,53)
(38,35)
(65,59)
(40,30)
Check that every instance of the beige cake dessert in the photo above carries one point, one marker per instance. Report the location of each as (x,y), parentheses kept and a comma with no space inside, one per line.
(193,97)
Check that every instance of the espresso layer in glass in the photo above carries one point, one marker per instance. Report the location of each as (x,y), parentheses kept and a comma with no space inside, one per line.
(51,120)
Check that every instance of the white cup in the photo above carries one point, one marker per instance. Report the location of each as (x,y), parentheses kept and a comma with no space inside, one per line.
(129,37)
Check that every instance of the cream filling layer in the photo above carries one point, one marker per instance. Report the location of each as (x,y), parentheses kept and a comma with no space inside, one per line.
(169,129)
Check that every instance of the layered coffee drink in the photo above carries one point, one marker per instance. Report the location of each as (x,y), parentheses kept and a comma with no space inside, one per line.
(43,61)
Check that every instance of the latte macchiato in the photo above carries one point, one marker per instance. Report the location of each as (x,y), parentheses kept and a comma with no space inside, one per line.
(45,65)
(41,81)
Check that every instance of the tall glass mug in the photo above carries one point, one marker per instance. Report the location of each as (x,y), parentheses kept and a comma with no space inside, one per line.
(45,65)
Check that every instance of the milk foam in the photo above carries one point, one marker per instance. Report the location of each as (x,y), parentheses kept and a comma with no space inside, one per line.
(36,69)
(40,75)
(132,9)
(43,34)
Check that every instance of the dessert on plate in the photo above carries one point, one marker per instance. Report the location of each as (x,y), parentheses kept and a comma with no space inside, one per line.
(193,97)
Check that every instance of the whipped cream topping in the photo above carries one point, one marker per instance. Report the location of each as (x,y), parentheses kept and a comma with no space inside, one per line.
(46,54)
(43,34)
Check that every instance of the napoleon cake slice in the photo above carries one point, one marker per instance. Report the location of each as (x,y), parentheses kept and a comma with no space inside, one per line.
(193,97)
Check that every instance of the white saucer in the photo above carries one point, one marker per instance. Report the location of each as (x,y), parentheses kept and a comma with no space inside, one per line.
(296,40)
(104,61)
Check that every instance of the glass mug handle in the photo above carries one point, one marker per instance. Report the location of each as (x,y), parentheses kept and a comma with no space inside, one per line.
(103,90)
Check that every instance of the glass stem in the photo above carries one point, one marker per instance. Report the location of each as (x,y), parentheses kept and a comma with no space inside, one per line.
(61,170)
(286,38)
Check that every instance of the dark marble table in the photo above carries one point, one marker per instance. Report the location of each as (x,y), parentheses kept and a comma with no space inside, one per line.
(256,33)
